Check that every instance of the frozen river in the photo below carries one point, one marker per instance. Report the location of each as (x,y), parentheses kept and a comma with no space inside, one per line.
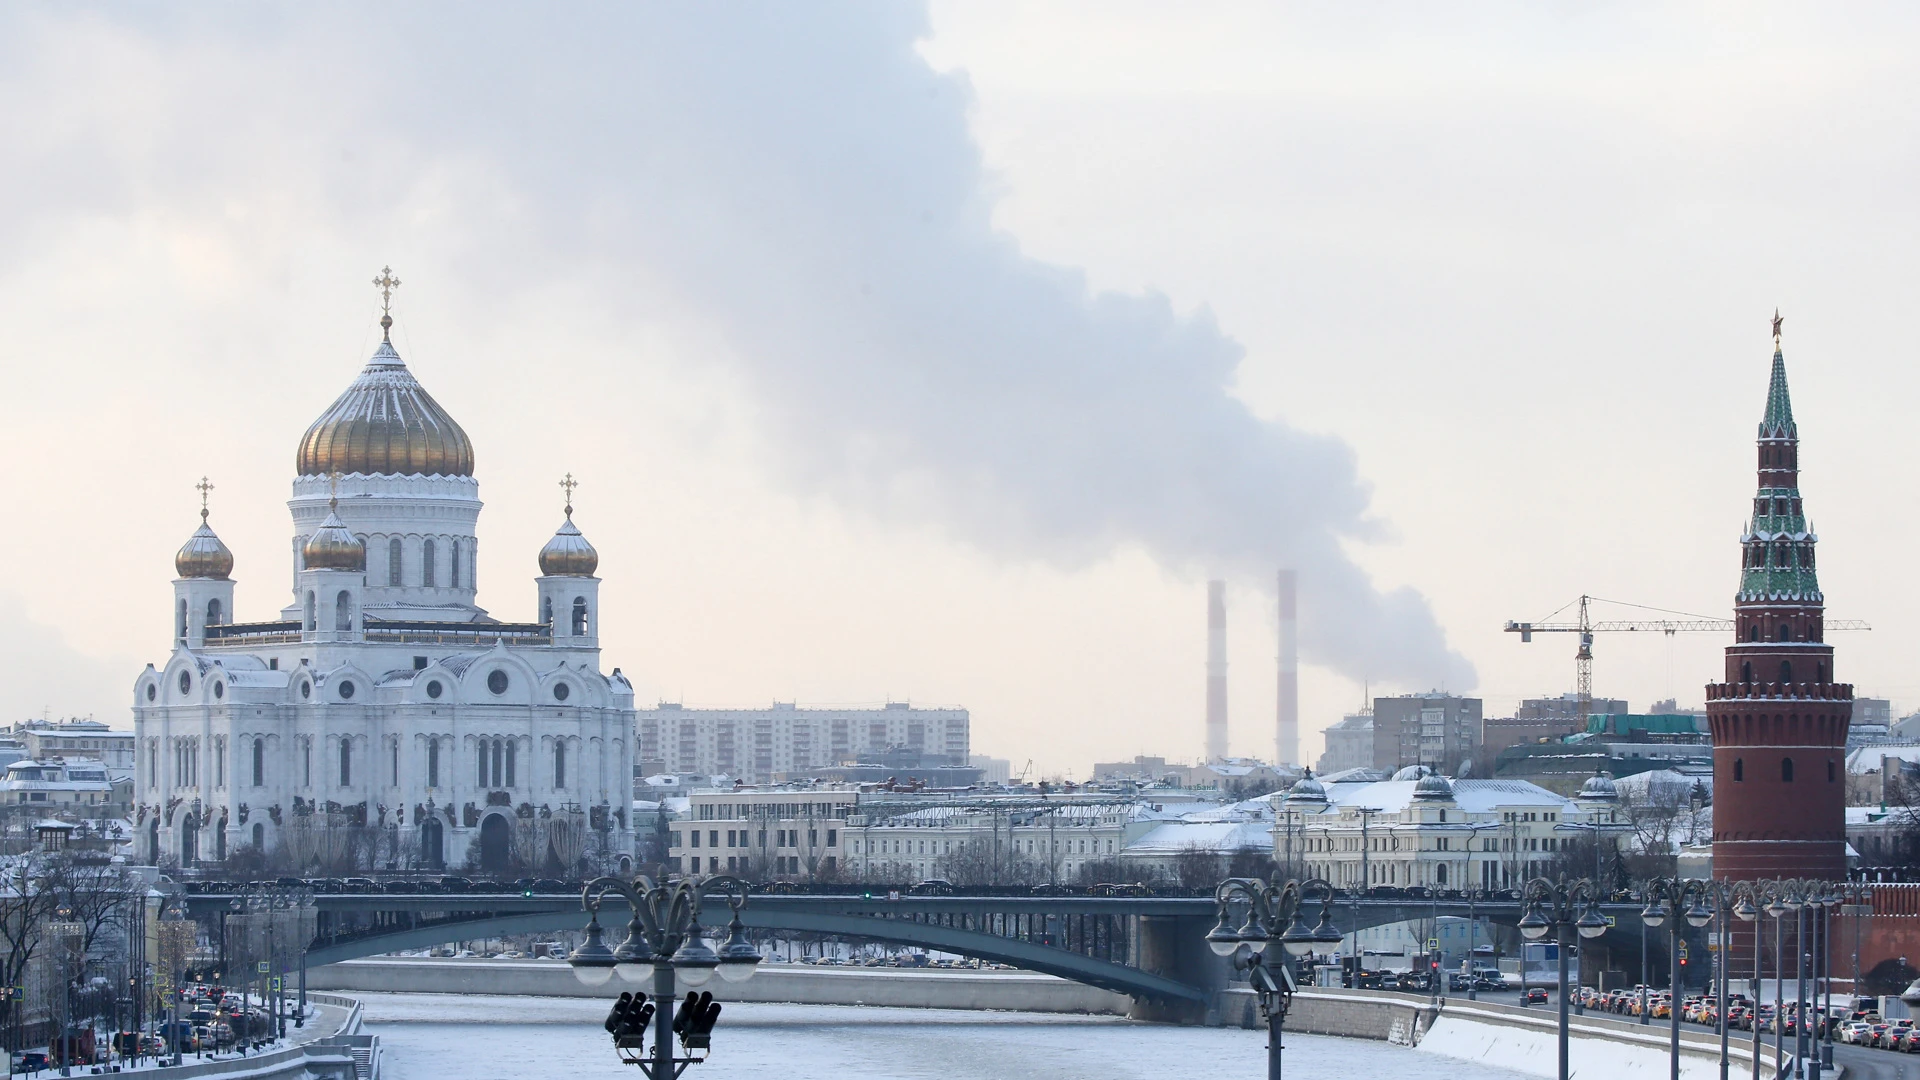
(454,1037)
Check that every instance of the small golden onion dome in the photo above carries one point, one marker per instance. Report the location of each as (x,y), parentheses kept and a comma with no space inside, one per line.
(568,554)
(332,547)
(385,423)
(203,555)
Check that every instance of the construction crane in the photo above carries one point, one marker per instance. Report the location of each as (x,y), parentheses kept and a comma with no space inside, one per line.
(1586,628)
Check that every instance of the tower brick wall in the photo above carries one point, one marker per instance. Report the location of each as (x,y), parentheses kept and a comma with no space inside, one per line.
(1778,719)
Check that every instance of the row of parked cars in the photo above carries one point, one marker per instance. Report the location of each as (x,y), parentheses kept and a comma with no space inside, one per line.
(391,886)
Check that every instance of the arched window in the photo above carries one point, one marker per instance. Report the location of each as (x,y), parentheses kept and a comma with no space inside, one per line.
(346,762)
(394,557)
(1739,769)
(499,753)
(433,763)
(393,751)
(579,616)
(343,611)
(1785,632)
(453,563)
(213,612)
(559,766)
(1830,770)
(259,763)
(1746,671)
(259,836)
(1753,632)
(510,748)
(546,613)
(1786,671)
(311,624)
(181,633)
(1820,672)
(427,576)
(1786,769)
(482,782)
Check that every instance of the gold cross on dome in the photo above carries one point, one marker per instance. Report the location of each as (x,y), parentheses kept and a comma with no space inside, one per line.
(203,487)
(386,283)
(569,484)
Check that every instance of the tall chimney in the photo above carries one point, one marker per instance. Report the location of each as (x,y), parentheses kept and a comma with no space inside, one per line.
(1286,736)
(1216,670)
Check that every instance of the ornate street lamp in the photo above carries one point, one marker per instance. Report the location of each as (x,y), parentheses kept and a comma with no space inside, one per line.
(1669,901)
(1553,905)
(664,934)
(1270,907)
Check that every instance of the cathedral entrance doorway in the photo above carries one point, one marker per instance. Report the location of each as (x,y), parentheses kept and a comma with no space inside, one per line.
(431,850)
(495,842)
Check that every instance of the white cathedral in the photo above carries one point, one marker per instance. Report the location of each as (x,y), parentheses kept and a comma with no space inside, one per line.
(385,720)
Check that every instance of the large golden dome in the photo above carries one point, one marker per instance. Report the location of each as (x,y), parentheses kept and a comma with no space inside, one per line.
(386,423)
(203,555)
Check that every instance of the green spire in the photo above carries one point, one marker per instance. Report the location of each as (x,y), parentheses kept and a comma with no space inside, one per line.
(1779,418)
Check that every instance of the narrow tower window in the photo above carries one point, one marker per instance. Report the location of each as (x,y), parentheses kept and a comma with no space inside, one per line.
(343,611)
(259,763)
(213,612)
(311,625)
(1786,671)
(1786,769)
(510,748)
(346,762)
(546,613)
(427,575)
(1746,671)
(579,616)
(433,763)
(1830,771)
(393,561)
(453,564)
(1785,633)
(560,766)
(483,764)
(1739,769)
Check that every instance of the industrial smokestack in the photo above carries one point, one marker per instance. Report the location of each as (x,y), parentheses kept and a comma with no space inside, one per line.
(1286,736)
(1216,670)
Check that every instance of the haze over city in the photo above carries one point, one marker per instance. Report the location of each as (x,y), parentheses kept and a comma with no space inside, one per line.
(944,354)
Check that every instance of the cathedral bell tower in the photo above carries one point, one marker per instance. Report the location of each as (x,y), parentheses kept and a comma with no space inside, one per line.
(1779,721)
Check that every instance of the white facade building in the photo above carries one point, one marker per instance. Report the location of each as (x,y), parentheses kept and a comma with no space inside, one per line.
(787,834)
(765,745)
(77,739)
(383,717)
(1426,830)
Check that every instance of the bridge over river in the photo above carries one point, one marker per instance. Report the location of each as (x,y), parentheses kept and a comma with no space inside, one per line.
(1149,947)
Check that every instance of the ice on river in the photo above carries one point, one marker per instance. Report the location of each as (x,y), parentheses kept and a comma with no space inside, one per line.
(459,1037)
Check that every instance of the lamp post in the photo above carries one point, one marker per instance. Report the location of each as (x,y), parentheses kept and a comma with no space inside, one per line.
(1552,906)
(1273,918)
(1667,902)
(665,934)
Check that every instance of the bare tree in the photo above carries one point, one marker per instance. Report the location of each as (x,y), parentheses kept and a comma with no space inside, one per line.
(1660,814)
(1194,867)
(978,862)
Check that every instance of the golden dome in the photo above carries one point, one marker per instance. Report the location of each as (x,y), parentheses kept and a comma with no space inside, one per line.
(568,554)
(203,555)
(385,423)
(332,547)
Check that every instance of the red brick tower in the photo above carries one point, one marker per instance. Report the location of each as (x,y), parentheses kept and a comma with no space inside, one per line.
(1779,720)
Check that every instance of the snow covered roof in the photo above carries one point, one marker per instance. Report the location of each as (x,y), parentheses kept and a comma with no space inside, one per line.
(1472,796)
(1866,759)
(1173,837)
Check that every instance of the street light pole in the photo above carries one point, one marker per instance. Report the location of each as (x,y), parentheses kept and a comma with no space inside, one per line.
(1273,918)
(1667,902)
(665,933)
(1552,905)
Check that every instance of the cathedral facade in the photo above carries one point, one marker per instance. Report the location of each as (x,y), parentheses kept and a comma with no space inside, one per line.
(383,719)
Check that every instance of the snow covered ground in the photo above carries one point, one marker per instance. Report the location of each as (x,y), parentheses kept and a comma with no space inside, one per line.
(456,1037)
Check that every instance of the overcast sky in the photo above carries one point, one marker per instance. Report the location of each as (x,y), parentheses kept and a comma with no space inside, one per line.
(942,354)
